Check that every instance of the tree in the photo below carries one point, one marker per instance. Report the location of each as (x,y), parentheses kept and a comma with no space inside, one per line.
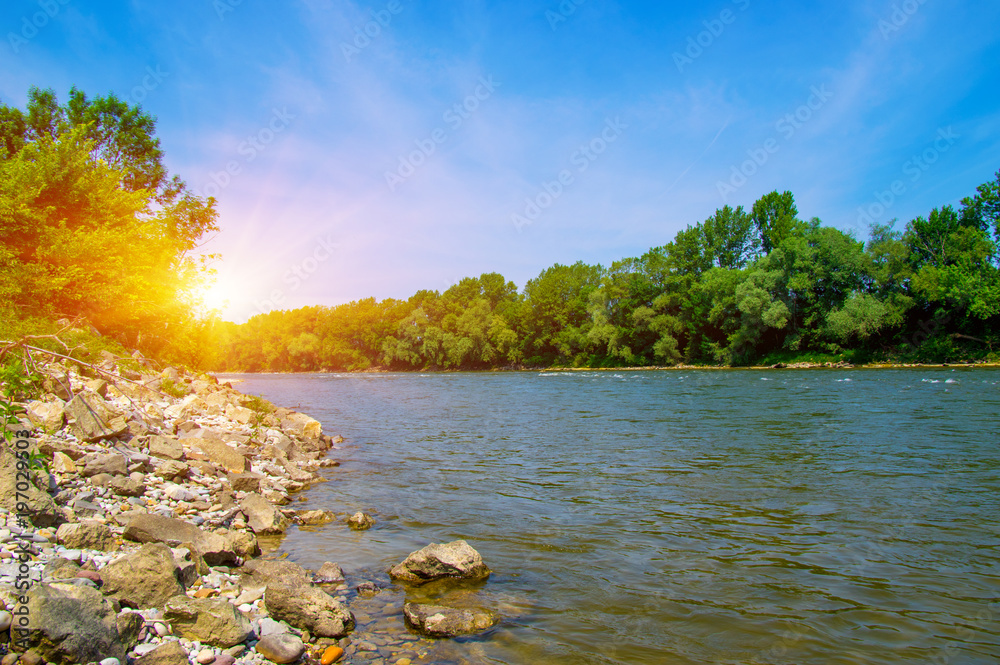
(730,238)
(775,217)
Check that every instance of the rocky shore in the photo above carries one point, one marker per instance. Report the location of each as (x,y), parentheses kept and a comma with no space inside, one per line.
(131,507)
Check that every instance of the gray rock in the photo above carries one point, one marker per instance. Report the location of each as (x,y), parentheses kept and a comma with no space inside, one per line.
(455,560)
(259,573)
(42,509)
(285,648)
(308,608)
(361,521)
(210,621)
(438,621)
(72,624)
(130,625)
(263,517)
(165,448)
(146,578)
(217,550)
(168,653)
(269,626)
(86,535)
(91,418)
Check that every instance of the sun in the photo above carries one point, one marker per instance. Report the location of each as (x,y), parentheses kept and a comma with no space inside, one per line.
(219,294)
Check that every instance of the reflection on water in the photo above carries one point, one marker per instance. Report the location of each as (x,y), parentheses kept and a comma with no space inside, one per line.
(679,517)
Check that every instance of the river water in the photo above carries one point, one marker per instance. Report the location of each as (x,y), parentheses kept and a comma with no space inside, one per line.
(677,517)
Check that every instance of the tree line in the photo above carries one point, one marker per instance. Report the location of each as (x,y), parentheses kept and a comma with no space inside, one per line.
(742,287)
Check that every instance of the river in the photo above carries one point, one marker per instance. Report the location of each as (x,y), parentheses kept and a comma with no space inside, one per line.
(677,517)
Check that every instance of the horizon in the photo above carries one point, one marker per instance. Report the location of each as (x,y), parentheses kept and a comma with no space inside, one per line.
(375,149)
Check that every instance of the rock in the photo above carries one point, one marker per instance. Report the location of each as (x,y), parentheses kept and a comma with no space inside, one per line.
(242,543)
(172,470)
(222,454)
(5,620)
(360,521)
(210,621)
(31,657)
(91,418)
(42,509)
(59,569)
(269,626)
(86,535)
(285,648)
(245,482)
(99,386)
(73,624)
(331,655)
(123,486)
(48,416)
(145,578)
(329,573)
(456,560)
(168,653)
(111,464)
(368,589)
(165,448)
(302,426)
(205,656)
(308,608)
(438,621)
(180,493)
(225,659)
(110,661)
(263,517)
(130,625)
(63,463)
(240,414)
(315,517)
(217,550)
(260,573)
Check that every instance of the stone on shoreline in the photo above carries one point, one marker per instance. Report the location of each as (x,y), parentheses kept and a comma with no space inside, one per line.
(217,550)
(262,516)
(210,621)
(455,560)
(42,509)
(145,578)
(165,448)
(281,648)
(91,418)
(168,653)
(329,573)
(88,535)
(308,608)
(73,624)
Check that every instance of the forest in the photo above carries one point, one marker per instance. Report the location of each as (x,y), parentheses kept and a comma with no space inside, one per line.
(96,235)
(758,286)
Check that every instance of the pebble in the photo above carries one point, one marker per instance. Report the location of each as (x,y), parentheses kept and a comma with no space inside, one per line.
(5,620)
(110,661)
(281,649)
(331,655)
(205,656)
(10,659)
(143,649)
(161,629)
(224,659)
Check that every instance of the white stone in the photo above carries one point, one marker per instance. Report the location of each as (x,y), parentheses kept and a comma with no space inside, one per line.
(110,661)
(143,649)
(5,620)
(205,656)
(161,629)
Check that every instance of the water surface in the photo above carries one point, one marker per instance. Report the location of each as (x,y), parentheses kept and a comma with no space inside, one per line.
(731,516)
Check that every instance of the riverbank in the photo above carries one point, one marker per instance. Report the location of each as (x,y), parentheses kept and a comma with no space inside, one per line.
(134,506)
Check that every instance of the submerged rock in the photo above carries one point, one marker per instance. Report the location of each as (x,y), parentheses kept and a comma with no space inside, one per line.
(439,621)
(361,521)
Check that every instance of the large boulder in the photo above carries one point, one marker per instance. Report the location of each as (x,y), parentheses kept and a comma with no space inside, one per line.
(262,516)
(245,482)
(86,535)
(308,608)
(91,418)
(73,624)
(438,621)
(216,549)
(42,509)
(456,560)
(211,621)
(144,579)
(302,426)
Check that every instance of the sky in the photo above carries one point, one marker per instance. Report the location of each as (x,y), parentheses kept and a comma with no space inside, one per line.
(373,149)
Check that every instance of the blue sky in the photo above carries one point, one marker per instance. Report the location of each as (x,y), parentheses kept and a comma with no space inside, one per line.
(588,131)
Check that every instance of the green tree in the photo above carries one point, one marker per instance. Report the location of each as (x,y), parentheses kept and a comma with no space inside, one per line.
(776,218)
